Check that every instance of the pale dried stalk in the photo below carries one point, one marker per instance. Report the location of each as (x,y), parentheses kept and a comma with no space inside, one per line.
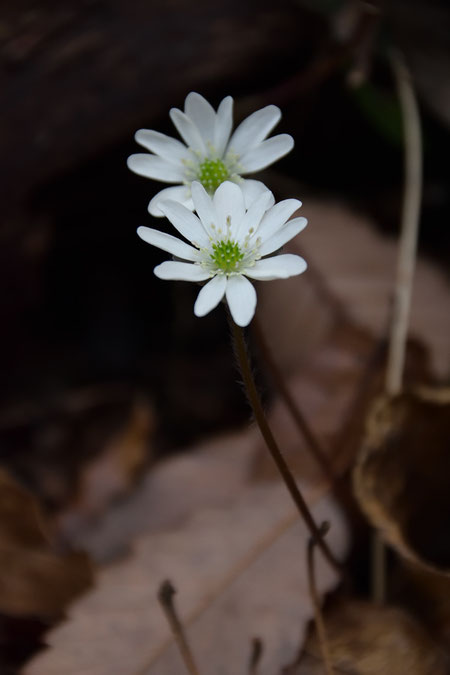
(412,197)
(406,263)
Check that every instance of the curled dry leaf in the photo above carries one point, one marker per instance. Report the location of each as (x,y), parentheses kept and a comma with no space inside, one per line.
(401,478)
(34,579)
(365,639)
(427,594)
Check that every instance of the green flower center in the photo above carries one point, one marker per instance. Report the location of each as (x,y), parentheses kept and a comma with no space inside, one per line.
(226,255)
(211,173)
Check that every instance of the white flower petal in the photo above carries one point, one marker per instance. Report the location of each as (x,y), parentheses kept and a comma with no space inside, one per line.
(187,130)
(180,271)
(229,203)
(203,116)
(252,189)
(276,217)
(277,267)
(177,193)
(162,145)
(210,295)
(204,206)
(223,125)
(185,222)
(254,129)
(168,243)
(155,167)
(286,233)
(241,298)
(266,153)
(253,215)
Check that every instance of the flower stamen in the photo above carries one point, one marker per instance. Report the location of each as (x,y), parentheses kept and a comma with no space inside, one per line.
(211,173)
(226,255)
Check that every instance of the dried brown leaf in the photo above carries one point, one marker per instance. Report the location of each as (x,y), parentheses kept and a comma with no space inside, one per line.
(34,579)
(112,473)
(351,274)
(428,594)
(402,473)
(366,639)
(239,572)
(326,330)
(211,475)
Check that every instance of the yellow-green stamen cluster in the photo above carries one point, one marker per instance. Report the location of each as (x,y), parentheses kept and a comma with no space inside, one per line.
(211,173)
(226,256)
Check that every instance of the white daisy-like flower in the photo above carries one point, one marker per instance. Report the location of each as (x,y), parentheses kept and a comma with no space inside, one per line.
(209,155)
(229,243)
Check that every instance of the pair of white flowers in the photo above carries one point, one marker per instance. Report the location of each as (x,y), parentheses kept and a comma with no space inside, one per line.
(236,227)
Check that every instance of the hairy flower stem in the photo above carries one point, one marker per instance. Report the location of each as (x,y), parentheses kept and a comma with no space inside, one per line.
(258,411)
(300,420)
(165,597)
(315,599)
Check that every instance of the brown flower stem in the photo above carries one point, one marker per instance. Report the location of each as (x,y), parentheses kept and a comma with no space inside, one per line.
(299,418)
(318,616)
(406,262)
(258,411)
(165,597)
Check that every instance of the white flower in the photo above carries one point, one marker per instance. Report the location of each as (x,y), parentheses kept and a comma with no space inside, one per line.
(229,243)
(209,155)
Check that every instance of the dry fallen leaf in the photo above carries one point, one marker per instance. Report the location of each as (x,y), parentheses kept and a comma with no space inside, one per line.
(351,269)
(239,570)
(402,473)
(110,474)
(35,580)
(326,329)
(366,639)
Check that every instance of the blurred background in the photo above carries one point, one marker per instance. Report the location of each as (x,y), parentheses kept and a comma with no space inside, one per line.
(92,345)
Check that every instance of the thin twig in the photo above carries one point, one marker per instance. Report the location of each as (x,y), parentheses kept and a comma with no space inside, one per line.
(318,616)
(299,418)
(165,597)
(255,656)
(406,263)
(258,411)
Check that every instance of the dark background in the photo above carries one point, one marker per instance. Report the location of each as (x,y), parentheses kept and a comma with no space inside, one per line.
(85,326)
(80,307)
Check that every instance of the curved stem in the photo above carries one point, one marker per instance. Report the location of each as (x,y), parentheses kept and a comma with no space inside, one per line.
(288,478)
(406,262)
(412,197)
(300,420)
